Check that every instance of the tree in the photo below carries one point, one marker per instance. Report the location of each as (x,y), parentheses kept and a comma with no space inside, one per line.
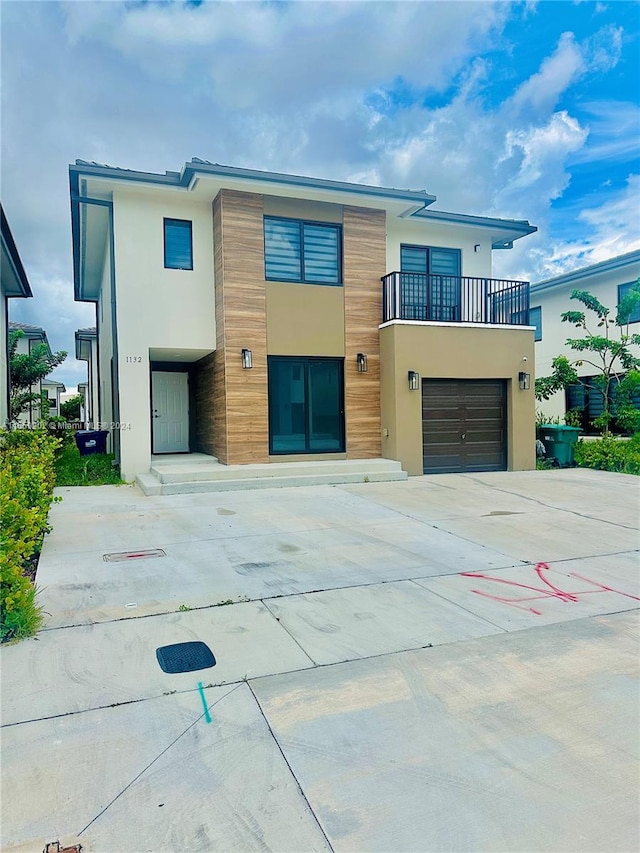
(70,409)
(26,370)
(607,348)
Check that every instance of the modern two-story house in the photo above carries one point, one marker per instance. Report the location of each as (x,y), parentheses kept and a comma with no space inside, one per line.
(263,318)
(609,281)
(53,390)
(31,337)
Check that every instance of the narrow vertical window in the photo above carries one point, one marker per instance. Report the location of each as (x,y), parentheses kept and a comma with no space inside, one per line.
(535,319)
(178,244)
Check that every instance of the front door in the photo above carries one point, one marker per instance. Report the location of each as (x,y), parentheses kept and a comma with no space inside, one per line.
(170,411)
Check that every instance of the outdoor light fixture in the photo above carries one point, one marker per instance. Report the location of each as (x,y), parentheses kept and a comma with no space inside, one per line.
(414,380)
(361,360)
(247,359)
(524,381)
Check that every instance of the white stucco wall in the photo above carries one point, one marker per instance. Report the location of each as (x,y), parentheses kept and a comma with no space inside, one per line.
(156,307)
(446,236)
(554,302)
(92,380)
(104,414)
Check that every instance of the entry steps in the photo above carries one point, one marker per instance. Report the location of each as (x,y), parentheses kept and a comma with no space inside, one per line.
(182,474)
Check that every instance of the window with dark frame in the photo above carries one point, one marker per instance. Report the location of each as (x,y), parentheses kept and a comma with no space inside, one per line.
(304,252)
(535,319)
(178,244)
(431,287)
(306,405)
(623,290)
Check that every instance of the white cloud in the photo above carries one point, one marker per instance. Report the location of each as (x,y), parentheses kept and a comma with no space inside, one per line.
(603,49)
(540,93)
(291,87)
(609,228)
(544,153)
(614,132)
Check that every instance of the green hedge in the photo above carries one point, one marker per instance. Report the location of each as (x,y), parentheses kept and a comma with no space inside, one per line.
(610,454)
(26,491)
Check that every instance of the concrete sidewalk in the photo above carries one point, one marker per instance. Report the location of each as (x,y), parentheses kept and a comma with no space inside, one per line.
(396,670)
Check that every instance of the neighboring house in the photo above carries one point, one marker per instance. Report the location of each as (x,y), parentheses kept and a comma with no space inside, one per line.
(53,390)
(83,390)
(87,350)
(13,283)
(262,317)
(608,281)
(32,336)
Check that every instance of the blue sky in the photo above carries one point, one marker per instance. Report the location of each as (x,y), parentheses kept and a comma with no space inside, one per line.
(524,110)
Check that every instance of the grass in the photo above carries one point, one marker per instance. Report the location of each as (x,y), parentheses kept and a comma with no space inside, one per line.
(96,469)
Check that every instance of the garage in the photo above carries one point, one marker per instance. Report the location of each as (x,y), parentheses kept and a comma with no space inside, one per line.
(464,425)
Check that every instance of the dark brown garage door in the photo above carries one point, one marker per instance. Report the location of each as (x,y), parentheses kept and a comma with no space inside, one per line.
(463,425)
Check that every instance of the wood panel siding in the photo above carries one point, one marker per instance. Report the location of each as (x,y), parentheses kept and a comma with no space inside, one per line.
(217,424)
(240,395)
(210,428)
(364,247)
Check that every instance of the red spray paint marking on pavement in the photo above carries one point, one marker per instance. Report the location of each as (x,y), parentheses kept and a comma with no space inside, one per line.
(548,591)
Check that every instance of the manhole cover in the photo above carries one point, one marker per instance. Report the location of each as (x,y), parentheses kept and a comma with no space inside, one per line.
(120,556)
(185,657)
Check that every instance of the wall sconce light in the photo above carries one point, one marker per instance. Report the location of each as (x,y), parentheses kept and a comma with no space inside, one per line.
(476,248)
(247,359)
(524,381)
(361,360)
(414,380)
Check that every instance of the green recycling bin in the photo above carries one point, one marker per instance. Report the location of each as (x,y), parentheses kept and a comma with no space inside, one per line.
(559,441)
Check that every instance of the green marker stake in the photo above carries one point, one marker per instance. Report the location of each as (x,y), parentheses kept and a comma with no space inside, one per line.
(207,715)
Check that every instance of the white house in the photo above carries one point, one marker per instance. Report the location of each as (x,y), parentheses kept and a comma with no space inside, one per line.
(13,284)
(609,281)
(53,390)
(261,317)
(87,350)
(32,336)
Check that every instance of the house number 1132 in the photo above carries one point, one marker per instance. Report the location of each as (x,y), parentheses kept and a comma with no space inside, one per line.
(133,359)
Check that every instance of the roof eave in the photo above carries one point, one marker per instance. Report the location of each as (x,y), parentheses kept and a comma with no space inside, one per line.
(610,265)
(21,287)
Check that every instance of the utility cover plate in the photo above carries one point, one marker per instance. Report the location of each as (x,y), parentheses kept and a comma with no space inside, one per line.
(185,657)
(121,556)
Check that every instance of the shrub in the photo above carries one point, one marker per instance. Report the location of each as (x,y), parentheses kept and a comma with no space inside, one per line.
(610,454)
(59,428)
(26,489)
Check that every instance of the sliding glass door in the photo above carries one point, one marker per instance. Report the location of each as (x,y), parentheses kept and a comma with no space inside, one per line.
(306,408)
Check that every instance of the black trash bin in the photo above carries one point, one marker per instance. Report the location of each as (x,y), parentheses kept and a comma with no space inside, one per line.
(91,441)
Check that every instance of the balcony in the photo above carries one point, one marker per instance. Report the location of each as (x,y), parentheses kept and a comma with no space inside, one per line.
(454,299)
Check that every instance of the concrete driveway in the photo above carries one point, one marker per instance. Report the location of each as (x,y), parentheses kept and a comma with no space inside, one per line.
(446,663)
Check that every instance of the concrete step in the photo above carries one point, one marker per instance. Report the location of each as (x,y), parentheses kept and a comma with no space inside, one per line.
(151,486)
(207,472)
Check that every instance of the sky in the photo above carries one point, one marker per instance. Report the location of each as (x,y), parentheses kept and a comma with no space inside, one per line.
(519,110)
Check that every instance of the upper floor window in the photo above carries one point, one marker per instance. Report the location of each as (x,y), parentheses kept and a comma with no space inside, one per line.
(426,259)
(295,250)
(624,290)
(178,244)
(535,319)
